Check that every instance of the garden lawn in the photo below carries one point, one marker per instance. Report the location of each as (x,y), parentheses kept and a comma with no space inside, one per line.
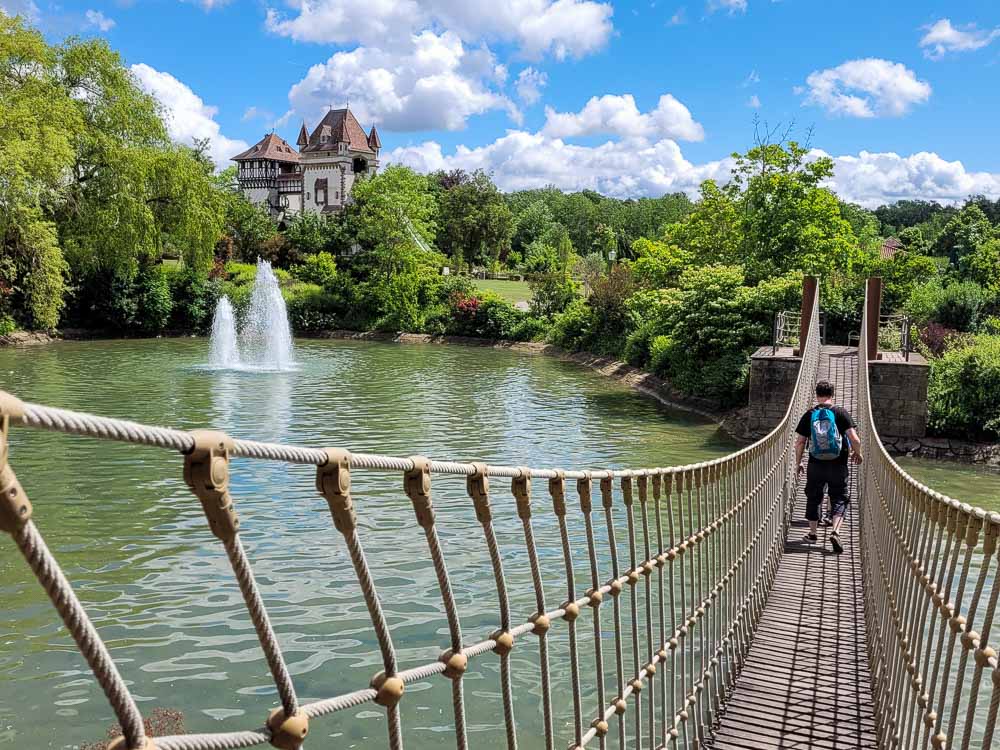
(512,291)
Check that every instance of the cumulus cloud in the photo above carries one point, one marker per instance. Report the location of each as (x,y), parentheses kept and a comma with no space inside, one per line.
(521,160)
(753,102)
(563,28)
(942,38)
(99,21)
(618,115)
(188,118)
(529,85)
(872,179)
(434,84)
(637,168)
(870,87)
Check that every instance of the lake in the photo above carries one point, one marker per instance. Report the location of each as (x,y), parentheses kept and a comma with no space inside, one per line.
(135,544)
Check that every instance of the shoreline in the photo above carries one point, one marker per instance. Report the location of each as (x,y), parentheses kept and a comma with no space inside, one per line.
(953,451)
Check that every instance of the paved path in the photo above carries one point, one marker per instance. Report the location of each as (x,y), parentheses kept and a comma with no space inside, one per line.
(806,682)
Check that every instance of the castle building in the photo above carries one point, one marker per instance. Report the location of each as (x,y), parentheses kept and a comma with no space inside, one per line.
(317,177)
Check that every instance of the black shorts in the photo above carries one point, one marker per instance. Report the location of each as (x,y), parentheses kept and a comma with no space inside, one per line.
(822,474)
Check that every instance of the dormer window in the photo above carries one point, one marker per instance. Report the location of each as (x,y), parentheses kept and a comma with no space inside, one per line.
(324,138)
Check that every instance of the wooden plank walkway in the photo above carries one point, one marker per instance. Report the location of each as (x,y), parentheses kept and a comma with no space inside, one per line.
(806,682)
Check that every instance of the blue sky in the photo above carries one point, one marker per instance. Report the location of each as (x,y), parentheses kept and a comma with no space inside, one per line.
(905,95)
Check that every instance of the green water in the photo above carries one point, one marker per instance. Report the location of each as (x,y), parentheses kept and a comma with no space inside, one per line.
(975,485)
(135,545)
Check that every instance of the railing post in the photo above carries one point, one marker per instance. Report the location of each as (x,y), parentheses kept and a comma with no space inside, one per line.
(873,300)
(809,286)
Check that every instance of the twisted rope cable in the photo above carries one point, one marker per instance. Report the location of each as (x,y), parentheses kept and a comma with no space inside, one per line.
(262,624)
(73,615)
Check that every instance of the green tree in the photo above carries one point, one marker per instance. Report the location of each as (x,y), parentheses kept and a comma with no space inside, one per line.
(982,265)
(965,232)
(395,216)
(476,225)
(788,221)
(38,119)
(712,232)
(658,264)
(532,222)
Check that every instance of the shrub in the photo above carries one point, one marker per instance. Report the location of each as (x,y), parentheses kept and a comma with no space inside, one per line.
(154,302)
(491,317)
(923,302)
(551,293)
(961,305)
(935,339)
(990,326)
(964,390)
(311,309)
(958,305)
(572,328)
(194,299)
(319,269)
(7,325)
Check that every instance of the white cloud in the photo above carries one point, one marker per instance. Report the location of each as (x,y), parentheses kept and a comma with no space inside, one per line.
(529,85)
(872,179)
(754,102)
(942,38)
(866,88)
(24,8)
(434,84)
(563,28)
(256,113)
(188,117)
(521,160)
(730,6)
(618,115)
(99,21)
(678,18)
(752,79)
(637,168)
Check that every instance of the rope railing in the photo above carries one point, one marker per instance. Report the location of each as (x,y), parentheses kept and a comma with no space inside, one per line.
(701,548)
(930,571)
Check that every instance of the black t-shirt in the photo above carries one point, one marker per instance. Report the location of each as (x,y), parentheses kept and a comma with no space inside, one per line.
(844,423)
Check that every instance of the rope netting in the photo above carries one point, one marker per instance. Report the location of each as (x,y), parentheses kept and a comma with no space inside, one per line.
(701,546)
(930,589)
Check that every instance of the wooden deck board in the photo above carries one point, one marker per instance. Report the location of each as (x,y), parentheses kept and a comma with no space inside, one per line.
(806,683)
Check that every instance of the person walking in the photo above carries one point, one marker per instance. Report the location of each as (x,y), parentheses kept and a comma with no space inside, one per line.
(832,437)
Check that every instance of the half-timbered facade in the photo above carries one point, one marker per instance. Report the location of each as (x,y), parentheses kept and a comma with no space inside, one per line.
(317,177)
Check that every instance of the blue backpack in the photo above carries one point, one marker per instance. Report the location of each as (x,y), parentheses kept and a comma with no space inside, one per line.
(826,441)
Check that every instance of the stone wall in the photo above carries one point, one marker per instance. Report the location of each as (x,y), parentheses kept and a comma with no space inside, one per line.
(772,381)
(944,449)
(899,396)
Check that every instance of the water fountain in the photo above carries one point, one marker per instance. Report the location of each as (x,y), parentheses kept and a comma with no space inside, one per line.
(222,350)
(265,338)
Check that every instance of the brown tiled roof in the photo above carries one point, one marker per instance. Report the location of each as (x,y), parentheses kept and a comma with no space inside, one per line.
(889,248)
(373,140)
(342,127)
(271,147)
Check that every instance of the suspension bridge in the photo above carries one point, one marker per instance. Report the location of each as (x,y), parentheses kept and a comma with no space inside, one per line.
(709,622)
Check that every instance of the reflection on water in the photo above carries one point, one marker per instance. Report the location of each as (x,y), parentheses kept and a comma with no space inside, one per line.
(135,545)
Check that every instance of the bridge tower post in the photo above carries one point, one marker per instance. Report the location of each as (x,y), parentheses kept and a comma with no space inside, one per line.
(874,298)
(809,286)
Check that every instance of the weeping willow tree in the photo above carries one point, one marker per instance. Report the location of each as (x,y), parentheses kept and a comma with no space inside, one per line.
(92,185)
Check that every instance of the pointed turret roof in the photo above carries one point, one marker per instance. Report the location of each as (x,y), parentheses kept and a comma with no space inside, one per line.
(271,147)
(340,126)
(373,140)
(303,138)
